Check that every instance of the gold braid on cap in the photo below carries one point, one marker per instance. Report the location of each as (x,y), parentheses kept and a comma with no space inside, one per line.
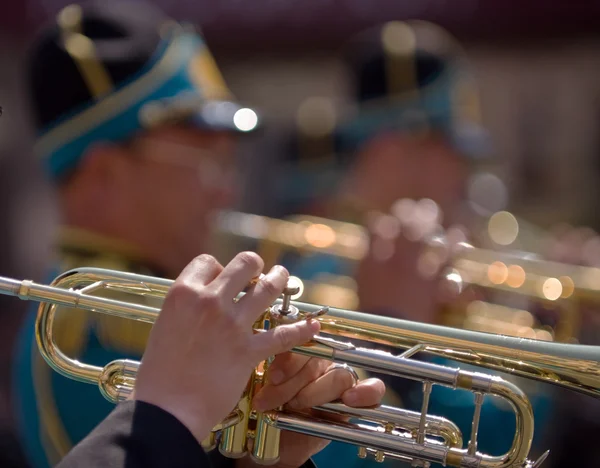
(399,45)
(82,51)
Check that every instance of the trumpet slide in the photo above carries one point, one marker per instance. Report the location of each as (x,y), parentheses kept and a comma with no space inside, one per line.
(385,431)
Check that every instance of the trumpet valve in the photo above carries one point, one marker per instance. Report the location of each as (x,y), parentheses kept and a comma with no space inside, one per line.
(266,442)
(285,309)
(380,455)
(290,291)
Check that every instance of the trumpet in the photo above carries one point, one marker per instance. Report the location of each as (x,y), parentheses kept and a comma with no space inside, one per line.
(381,432)
(523,275)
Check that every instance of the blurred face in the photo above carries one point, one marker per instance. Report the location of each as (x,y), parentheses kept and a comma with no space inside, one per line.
(392,277)
(181,176)
(394,166)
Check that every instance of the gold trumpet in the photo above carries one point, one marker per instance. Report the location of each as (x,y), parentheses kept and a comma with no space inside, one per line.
(309,234)
(562,287)
(383,431)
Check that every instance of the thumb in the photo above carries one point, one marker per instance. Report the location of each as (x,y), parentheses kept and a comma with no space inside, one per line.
(284,338)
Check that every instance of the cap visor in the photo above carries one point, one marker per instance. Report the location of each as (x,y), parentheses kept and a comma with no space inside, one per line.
(225,116)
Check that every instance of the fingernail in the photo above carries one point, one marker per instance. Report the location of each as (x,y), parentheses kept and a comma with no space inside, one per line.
(276,376)
(314,325)
(278,270)
(350,397)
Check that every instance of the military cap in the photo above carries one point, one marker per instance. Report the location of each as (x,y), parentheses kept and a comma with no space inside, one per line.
(105,70)
(411,76)
(407,76)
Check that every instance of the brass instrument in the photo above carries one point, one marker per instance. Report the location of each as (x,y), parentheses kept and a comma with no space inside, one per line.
(309,234)
(385,431)
(554,285)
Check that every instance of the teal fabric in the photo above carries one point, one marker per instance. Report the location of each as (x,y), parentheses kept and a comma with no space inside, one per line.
(309,266)
(297,185)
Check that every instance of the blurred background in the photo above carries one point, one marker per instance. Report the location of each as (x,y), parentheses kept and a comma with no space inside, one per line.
(537,64)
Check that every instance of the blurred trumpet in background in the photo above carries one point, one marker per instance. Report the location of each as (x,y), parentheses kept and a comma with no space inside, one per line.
(492,289)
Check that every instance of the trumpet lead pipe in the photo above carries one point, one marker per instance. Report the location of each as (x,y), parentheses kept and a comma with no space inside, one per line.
(30,291)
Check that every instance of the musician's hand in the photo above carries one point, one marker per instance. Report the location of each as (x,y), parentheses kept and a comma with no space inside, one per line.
(300,383)
(400,274)
(202,350)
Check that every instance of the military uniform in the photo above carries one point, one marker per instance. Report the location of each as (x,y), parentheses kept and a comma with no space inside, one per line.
(104,72)
(57,412)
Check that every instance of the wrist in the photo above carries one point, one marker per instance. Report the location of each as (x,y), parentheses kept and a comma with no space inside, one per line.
(193,420)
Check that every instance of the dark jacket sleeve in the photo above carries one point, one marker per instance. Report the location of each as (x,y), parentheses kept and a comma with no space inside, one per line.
(141,435)
(137,434)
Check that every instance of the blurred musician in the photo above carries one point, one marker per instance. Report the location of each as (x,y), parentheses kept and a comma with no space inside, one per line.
(415,133)
(137,131)
(415,136)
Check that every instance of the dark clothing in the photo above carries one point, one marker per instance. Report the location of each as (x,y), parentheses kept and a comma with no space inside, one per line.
(138,434)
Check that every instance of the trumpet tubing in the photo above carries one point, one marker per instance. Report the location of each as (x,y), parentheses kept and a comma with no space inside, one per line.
(383,431)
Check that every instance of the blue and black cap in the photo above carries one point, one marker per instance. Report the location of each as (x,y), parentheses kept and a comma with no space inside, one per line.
(405,76)
(412,76)
(105,70)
